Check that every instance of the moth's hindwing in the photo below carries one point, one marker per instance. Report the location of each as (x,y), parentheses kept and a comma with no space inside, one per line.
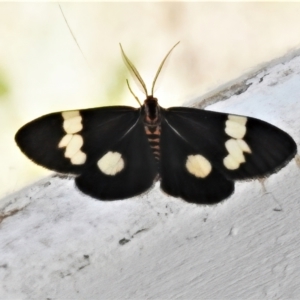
(126,169)
(239,147)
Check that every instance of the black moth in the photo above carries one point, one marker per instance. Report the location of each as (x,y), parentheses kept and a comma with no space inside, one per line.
(118,152)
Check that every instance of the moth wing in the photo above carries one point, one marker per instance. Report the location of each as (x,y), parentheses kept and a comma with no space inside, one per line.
(69,141)
(126,169)
(186,171)
(239,147)
(107,147)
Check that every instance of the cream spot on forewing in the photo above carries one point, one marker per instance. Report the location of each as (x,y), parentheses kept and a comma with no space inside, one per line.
(198,165)
(74,145)
(235,130)
(238,119)
(244,146)
(235,151)
(230,163)
(79,158)
(72,142)
(65,141)
(70,114)
(111,163)
(73,125)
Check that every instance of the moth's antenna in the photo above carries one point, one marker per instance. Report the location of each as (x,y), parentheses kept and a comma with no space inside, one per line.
(134,71)
(73,35)
(136,98)
(160,67)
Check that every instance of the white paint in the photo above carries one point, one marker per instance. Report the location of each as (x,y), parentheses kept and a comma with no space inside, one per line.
(235,129)
(198,165)
(74,145)
(111,163)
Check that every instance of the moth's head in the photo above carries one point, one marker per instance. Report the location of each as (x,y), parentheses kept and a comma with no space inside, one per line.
(150,100)
(151,109)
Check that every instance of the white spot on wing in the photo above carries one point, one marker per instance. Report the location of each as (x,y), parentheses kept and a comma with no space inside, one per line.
(198,165)
(238,119)
(244,146)
(79,158)
(70,114)
(230,163)
(111,163)
(74,145)
(235,151)
(235,130)
(73,125)
(72,142)
(65,141)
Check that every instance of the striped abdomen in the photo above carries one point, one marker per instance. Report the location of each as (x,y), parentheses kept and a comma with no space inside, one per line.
(152,120)
(153,135)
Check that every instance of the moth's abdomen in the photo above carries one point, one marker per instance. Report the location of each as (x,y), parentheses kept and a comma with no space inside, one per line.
(152,125)
(153,136)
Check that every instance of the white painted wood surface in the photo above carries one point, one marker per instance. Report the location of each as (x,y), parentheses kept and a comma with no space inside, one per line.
(56,243)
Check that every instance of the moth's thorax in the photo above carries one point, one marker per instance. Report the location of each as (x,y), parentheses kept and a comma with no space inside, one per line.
(152,121)
(152,115)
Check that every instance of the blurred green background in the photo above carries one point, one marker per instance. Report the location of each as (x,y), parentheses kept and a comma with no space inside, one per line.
(42,69)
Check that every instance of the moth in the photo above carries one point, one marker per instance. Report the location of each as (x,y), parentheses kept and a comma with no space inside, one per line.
(117,152)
